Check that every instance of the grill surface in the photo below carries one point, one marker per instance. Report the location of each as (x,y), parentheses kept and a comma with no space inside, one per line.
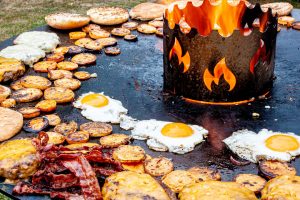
(135,78)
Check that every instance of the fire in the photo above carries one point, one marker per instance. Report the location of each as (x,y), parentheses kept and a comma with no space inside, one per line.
(219,70)
(220,15)
(261,52)
(177,50)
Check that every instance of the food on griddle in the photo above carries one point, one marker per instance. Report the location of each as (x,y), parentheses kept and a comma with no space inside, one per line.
(147,29)
(59,94)
(96,129)
(132,185)
(53,119)
(36,125)
(296,25)
(271,169)
(286,20)
(66,20)
(114,140)
(38,82)
(66,128)
(44,66)
(4,92)
(147,11)
(58,74)
(129,154)
(158,166)
(76,35)
(77,137)
(99,107)
(11,123)
(105,42)
(159,32)
(46,105)
(93,45)
(282,187)
(8,103)
(205,173)
(82,42)
(16,85)
(27,95)
(81,145)
(67,65)
(61,50)
(252,182)
(130,37)
(82,75)
(121,32)
(73,50)
(10,69)
(279,8)
(70,83)
(55,138)
(97,34)
(29,112)
(156,23)
(178,179)
(18,159)
(90,27)
(169,136)
(135,167)
(84,59)
(130,25)
(40,39)
(112,51)
(266,145)
(56,57)
(216,190)
(108,15)
(25,53)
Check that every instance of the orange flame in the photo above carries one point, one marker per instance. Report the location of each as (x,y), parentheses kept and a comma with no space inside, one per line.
(261,52)
(177,50)
(219,70)
(219,15)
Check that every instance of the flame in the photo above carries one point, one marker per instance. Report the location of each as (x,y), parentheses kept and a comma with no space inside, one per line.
(219,70)
(216,15)
(177,50)
(261,52)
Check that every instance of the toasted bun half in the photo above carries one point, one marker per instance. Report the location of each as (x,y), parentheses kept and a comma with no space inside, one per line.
(108,15)
(66,21)
(147,11)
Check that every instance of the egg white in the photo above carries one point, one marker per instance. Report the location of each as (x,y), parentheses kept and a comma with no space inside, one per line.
(150,130)
(109,113)
(251,146)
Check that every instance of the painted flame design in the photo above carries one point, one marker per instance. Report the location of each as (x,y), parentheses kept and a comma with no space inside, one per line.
(219,70)
(177,50)
(261,52)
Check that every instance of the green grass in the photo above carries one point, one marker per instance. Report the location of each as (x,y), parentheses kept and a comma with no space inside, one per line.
(18,16)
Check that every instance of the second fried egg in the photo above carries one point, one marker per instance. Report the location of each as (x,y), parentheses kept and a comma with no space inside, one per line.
(169,136)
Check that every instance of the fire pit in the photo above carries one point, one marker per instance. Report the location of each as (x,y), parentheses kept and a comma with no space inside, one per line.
(219,53)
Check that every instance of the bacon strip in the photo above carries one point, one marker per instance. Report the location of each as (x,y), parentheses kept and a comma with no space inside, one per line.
(87,177)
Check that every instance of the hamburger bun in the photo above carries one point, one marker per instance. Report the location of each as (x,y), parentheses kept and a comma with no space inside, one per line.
(66,21)
(108,15)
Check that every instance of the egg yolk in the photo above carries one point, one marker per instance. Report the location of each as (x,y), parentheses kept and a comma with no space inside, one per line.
(176,130)
(282,143)
(95,100)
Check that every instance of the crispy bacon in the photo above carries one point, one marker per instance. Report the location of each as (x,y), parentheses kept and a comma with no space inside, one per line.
(69,174)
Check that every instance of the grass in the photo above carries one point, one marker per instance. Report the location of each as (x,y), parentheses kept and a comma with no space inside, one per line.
(17,16)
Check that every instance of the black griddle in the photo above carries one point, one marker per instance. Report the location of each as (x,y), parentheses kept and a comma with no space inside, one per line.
(135,78)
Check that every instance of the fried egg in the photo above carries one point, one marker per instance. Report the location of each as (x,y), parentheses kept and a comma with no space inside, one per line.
(100,108)
(266,145)
(169,136)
